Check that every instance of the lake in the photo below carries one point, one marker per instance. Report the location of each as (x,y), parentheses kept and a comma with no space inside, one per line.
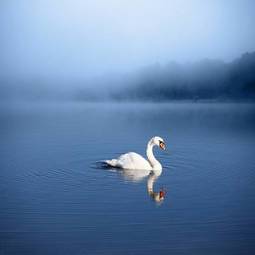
(57,198)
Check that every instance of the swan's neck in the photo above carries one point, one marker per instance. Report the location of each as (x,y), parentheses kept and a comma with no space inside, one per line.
(150,182)
(152,160)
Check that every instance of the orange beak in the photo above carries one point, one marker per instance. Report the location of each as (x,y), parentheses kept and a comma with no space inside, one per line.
(162,146)
(161,194)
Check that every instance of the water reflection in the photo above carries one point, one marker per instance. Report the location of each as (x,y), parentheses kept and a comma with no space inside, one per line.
(156,196)
(138,176)
(134,175)
(152,176)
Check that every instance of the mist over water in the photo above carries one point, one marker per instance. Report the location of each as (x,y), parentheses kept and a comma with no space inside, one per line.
(94,50)
(79,39)
(212,80)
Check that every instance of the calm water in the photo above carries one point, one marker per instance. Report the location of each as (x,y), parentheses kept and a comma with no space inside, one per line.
(55,198)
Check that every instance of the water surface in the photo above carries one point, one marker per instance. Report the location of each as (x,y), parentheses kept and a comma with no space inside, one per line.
(56,199)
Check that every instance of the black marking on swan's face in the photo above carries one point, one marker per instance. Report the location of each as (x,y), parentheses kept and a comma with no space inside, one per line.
(162,145)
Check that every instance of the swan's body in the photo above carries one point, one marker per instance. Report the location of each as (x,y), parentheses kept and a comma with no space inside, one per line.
(134,161)
(130,160)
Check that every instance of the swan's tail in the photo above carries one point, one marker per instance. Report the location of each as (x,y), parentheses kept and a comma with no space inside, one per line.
(112,162)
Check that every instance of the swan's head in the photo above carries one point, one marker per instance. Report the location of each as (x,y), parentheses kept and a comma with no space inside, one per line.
(158,196)
(159,142)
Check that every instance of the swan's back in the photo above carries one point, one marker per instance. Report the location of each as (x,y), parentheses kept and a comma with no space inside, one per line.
(130,160)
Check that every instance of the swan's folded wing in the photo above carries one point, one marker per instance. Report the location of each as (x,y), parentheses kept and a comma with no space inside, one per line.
(133,160)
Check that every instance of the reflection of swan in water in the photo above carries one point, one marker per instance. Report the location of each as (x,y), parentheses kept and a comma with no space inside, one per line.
(134,161)
(134,175)
(156,196)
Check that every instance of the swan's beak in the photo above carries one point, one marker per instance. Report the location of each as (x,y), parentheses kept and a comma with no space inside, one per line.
(162,194)
(162,145)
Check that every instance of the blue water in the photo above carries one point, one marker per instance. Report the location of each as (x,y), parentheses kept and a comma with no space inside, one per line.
(55,198)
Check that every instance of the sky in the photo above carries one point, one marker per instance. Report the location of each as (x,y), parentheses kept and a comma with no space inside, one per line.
(77,39)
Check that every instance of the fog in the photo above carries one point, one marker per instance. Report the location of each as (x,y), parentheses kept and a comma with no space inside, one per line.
(55,49)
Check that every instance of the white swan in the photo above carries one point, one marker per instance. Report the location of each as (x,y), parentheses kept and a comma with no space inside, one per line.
(134,161)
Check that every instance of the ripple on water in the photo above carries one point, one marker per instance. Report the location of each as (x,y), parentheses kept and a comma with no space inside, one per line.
(55,198)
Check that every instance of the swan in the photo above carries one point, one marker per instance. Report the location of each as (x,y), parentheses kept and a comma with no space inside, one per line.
(134,161)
